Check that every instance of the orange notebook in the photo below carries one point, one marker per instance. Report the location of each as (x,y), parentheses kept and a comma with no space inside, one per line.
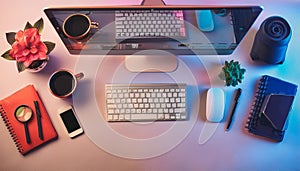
(27,96)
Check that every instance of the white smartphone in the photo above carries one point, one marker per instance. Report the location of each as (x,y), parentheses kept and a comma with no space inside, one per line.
(70,121)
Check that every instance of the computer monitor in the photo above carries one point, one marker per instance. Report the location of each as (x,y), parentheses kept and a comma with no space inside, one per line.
(214,30)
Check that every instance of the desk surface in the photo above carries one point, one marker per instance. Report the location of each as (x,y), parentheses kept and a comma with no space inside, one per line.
(234,150)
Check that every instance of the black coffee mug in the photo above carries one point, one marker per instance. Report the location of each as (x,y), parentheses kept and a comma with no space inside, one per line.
(77,26)
(63,83)
(271,41)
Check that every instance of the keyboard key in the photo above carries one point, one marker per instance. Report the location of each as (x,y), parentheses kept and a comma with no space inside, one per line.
(144,117)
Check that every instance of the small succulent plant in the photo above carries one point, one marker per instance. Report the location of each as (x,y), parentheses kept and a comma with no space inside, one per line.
(233,74)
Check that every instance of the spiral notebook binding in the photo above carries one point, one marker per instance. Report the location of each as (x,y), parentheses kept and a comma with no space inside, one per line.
(10,129)
(257,104)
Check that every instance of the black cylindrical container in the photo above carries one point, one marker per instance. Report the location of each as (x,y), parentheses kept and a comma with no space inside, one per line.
(271,40)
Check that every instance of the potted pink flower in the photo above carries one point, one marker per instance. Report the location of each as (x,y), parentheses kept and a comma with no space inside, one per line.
(27,48)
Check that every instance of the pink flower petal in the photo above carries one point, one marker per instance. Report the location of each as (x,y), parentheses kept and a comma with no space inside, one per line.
(33,50)
(21,59)
(27,63)
(42,56)
(32,36)
(17,48)
(25,52)
(34,57)
(19,35)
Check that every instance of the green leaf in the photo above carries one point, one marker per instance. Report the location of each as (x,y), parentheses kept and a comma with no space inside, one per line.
(7,56)
(39,25)
(50,46)
(28,25)
(10,37)
(21,67)
(243,70)
(36,64)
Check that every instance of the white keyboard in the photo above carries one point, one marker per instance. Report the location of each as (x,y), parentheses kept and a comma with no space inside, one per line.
(135,24)
(145,102)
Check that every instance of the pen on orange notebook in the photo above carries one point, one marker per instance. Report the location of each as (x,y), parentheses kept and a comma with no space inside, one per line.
(39,122)
(236,100)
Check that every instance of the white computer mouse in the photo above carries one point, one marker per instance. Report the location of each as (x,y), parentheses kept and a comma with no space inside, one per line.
(215,103)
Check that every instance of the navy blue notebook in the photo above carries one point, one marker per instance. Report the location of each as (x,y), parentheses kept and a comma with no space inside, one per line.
(273,102)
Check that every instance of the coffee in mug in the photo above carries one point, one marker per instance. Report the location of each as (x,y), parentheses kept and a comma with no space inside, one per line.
(63,83)
(77,26)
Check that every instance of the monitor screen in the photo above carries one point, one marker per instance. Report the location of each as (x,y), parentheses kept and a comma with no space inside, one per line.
(126,30)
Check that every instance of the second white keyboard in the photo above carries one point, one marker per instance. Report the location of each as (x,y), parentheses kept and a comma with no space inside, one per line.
(141,24)
(145,102)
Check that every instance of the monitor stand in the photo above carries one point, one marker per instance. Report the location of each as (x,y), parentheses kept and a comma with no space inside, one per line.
(153,2)
(151,60)
(151,63)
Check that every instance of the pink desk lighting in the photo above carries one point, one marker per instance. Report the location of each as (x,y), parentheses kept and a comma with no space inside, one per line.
(150,146)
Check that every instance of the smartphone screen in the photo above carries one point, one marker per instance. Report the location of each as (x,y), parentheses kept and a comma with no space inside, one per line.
(70,121)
